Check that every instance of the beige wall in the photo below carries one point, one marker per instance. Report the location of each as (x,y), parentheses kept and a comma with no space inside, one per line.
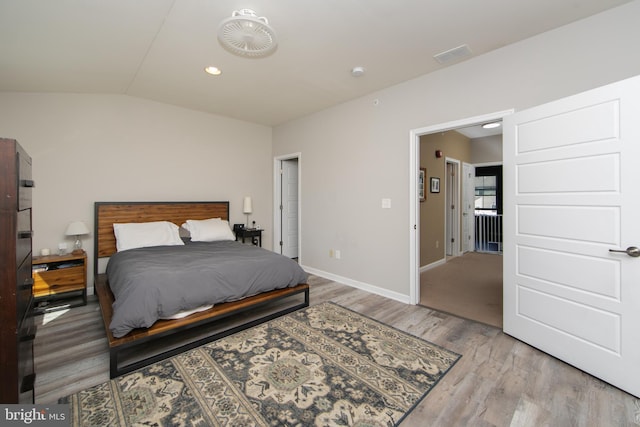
(432,211)
(486,150)
(357,153)
(88,148)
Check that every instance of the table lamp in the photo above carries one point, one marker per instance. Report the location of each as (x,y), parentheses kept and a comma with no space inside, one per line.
(77,229)
(247,208)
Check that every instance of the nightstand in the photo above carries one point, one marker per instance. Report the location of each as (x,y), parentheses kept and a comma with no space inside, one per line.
(253,233)
(59,281)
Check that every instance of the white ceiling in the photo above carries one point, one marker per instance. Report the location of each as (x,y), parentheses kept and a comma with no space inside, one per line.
(157,49)
(477,131)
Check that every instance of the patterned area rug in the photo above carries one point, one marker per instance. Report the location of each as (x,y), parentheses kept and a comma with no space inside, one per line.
(323,366)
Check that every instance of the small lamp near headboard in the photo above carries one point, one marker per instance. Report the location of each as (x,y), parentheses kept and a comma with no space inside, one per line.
(247,208)
(77,229)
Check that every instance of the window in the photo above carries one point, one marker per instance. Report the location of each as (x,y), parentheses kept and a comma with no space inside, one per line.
(486,192)
(488,189)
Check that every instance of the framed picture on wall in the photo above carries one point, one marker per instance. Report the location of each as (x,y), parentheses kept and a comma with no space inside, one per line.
(422,192)
(435,185)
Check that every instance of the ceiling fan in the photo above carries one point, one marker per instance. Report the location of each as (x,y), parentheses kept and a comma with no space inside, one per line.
(247,35)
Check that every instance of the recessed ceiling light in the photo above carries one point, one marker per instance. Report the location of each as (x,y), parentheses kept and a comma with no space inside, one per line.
(214,71)
(357,71)
(491,125)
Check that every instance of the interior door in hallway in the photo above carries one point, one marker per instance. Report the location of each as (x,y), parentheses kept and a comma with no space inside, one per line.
(468,205)
(452,202)
(571,195)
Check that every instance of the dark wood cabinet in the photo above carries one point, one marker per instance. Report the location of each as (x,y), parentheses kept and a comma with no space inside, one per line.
(17,326)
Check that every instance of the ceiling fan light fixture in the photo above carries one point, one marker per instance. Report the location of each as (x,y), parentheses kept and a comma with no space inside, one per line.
(247,35)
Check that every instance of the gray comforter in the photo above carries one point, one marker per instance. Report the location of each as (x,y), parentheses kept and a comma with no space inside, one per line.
(152,283)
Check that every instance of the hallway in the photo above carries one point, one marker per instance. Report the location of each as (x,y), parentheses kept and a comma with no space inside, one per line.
(468,286)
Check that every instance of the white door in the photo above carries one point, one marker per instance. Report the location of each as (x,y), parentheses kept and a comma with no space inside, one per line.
(571,169)
(289,208)
(468,205)
(452,202)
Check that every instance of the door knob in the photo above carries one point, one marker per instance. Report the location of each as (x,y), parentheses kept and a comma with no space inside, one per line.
(631,251)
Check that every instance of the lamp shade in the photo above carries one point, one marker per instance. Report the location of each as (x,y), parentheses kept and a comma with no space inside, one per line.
(77,228)
(247,206)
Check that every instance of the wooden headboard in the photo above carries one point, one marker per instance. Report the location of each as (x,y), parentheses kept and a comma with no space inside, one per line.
(109,213)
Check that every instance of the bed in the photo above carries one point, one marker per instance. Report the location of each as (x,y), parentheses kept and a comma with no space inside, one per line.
(138,344)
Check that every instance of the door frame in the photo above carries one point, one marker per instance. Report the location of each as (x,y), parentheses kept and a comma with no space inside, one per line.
(414,200)
(277,196)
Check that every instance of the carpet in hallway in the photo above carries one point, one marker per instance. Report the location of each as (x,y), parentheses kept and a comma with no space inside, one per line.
(468,286)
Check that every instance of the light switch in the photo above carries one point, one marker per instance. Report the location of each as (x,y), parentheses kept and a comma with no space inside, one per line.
(386,203)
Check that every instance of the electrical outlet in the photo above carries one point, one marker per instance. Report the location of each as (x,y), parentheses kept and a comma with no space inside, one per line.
(437,244)
(337,253)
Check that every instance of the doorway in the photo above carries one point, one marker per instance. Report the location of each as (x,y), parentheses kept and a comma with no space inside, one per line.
(287,206)
(415,135)
(460,280)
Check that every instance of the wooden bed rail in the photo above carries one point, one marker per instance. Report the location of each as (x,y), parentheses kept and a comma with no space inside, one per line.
(163,328)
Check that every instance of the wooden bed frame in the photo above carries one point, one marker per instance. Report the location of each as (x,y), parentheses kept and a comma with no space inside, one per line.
(108,213)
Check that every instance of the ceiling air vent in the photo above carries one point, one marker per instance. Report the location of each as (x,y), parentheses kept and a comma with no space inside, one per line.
(453,54)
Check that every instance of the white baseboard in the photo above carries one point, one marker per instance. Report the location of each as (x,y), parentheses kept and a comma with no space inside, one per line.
(359,285)
(433,265)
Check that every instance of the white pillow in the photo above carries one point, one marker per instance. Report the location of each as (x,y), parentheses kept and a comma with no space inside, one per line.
(146,234)
(185,225)
(209,230)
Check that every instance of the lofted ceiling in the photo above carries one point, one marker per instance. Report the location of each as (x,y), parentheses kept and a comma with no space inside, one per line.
(157,49)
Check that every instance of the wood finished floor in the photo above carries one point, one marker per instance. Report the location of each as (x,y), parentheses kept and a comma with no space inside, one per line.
(499,381)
